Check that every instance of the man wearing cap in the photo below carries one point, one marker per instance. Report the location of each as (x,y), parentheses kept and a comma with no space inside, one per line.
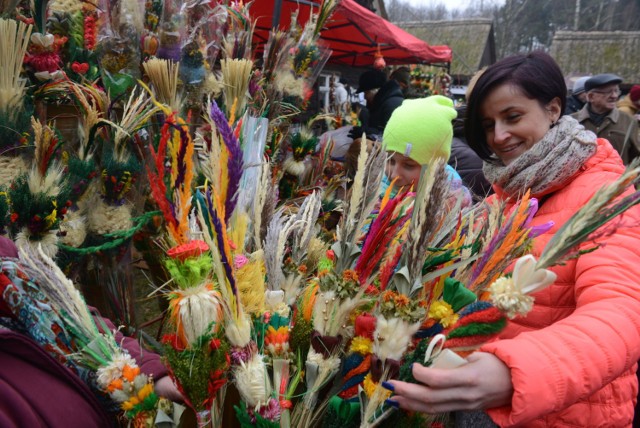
(383,97)
(578,96)
(601,116)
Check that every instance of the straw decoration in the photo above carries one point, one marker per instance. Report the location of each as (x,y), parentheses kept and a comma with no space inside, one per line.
(307,214)
(236,74)
(163,75)
(63,295)
(275,54)
(325,12)
(259,203)
(137,112)
(93,103)
(278,232)
(14,39)
(45,142)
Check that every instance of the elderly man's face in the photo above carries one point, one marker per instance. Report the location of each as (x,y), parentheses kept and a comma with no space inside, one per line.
(604,98)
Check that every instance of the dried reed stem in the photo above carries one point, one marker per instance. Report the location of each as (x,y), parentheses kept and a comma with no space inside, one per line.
(236,74)
(164,78)
(14,39)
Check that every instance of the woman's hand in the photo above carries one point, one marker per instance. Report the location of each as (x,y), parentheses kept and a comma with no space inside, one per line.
(165,387)
(483,383)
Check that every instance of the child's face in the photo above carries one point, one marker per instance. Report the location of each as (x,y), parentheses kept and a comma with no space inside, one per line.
(405,169)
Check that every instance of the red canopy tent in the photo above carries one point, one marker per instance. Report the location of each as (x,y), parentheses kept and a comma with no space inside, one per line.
(353,33)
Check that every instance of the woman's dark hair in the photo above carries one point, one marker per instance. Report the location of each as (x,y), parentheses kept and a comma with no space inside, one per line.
(536,74)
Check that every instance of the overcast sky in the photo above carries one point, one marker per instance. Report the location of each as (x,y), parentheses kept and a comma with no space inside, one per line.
(452,4)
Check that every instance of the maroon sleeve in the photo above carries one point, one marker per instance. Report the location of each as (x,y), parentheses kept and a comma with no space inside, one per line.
(37,391)
(8,248)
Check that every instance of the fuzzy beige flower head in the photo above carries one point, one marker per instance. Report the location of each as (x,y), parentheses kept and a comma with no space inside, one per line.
(511,294)
(509,299)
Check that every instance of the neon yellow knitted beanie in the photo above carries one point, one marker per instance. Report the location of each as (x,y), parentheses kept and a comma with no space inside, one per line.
(421,129)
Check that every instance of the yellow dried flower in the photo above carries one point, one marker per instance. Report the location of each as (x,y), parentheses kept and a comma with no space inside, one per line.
(442,312)
(370,387)
(361,345)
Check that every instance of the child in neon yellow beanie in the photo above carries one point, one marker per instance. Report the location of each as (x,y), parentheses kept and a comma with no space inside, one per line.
(418,131)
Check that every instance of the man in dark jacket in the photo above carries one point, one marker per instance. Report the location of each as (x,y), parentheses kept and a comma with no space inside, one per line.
(383,97)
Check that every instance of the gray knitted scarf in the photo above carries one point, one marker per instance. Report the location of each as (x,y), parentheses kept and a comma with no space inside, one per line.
(551,161)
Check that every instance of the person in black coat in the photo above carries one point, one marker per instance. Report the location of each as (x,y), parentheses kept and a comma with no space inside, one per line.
(578,97)
(386,100)
(383,97)
(466,162)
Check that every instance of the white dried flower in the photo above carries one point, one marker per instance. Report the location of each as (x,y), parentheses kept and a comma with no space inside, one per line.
(253,381)
(392,337)
(509,299)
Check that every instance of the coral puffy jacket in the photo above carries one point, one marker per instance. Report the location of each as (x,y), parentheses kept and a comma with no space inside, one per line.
(573,358)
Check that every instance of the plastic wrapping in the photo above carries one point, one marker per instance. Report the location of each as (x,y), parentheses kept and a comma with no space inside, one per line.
(119,58)
(172,30)
(254,140)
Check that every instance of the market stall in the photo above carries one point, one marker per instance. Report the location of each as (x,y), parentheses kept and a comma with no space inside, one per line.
(354,34)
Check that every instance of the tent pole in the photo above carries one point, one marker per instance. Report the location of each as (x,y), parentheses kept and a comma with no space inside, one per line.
(275,21)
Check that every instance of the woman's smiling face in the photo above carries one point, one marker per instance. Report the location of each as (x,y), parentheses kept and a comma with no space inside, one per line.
(513,123)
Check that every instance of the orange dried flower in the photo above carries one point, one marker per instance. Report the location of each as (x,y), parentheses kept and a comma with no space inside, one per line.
(350,275)
(279,336)
(115,384)
(130,373)
(401,300)
(388,296)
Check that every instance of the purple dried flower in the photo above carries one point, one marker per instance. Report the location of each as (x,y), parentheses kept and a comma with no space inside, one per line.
(253,87)
(270,411)
(533,209)
(240,355)
(540,229)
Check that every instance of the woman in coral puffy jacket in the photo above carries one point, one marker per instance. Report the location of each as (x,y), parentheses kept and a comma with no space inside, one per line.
(571,361)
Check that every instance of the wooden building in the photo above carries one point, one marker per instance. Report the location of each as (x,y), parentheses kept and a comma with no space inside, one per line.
(472,42)
(581,53)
